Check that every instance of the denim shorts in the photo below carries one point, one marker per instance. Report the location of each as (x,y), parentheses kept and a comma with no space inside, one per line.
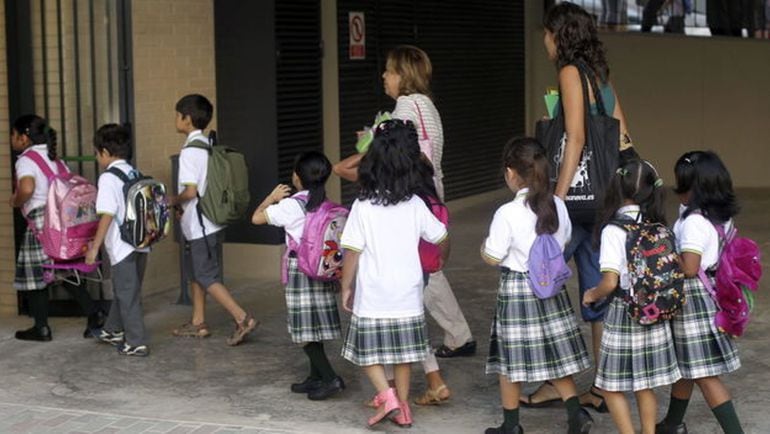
(586,255)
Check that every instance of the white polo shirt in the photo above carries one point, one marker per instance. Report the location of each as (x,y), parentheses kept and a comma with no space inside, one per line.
(25,167)
(110,200)
(612,253)
(389,282)
(696,234)
(193,168)
(512,232)
(289,215)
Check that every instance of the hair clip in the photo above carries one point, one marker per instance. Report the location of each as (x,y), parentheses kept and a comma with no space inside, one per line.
(687,160)
(621,171)
(658,183)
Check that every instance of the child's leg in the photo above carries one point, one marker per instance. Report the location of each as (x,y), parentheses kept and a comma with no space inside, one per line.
(403,375)
(681,392)
(376,374)
(220,293)
(620,411)
(576,416)
(718,398)
(127,287)
(81,296)
(38,306)
(199,304)
(314,373)
(648,407)
(317,355)
(509,397)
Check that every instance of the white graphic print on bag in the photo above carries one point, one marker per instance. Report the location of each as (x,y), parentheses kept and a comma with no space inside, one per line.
(581,183)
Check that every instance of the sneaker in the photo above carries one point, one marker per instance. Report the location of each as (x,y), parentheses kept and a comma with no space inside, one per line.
(108,337)
(137,351)
(242,329)
(582,424)
(95,322)
(42,334)
(325,390)
(190,330)
(306,386)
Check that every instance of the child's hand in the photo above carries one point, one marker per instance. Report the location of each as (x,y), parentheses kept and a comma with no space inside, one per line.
(280,192)
(91,255)
(347,299)
(591,296)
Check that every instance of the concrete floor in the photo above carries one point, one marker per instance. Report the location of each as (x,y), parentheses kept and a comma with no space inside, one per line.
(205,386)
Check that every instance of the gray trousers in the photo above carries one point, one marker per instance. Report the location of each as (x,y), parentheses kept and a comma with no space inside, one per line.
(126,310)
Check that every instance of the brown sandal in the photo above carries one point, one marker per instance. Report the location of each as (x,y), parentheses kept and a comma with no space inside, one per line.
(433,396)
(242,329)
(190,330)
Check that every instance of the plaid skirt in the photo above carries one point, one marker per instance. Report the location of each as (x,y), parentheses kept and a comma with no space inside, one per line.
(634,357)
(311,306)
(30,274)
(534,339)
(386,341)
(702,350)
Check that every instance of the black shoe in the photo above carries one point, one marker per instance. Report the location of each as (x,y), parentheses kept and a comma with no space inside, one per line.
(306,386)
(581,424)
(326,390)
(468,349)
(664,428)
(42,334)
(95,322)
(503,430)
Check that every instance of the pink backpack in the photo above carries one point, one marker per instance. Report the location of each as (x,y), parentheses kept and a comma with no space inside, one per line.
(70,219)
(319,254)
(430,254)
(737,278)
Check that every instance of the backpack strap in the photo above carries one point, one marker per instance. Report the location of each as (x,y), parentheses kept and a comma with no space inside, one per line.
(422,122)
(119,173)
(200,144)
(43,165)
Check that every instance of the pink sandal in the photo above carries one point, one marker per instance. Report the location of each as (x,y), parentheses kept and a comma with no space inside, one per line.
(404,418)
(387,406)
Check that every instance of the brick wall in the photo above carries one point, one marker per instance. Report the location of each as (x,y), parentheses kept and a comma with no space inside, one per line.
(173,46)
(7,267)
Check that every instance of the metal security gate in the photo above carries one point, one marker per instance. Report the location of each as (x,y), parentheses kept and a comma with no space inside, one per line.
(477,51)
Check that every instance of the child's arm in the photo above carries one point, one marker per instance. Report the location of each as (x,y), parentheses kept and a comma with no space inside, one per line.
(348,168)
(349,268)
(24,190)
(690,263)
(280,192)
(189,193)
(104,224)
(488,259)
(445,247)
(605,287)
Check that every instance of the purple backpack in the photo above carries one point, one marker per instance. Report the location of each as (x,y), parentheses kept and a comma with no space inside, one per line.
(548,272)
(737,278)
(319,254)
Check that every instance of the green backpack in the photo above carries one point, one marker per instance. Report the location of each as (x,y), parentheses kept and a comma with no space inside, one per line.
(227,184)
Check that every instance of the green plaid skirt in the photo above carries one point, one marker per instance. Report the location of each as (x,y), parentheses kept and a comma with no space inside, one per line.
(30,274)
(634,357)
(534,339)
(311,305)
(386,341)
(702,350)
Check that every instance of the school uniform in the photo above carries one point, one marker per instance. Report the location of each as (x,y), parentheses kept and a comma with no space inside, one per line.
(311,305)
(702,350)
(388,322)
(531,339)
(204,241)
(632,356)
(127,263)
(30,274)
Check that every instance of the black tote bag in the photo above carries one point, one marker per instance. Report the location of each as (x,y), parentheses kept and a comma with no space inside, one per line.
(600,156)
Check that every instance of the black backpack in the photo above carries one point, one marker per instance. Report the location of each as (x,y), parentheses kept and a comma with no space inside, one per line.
(657,282)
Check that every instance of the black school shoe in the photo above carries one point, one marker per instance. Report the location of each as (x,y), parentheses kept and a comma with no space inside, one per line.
(95,322)
(468,349)
(42,334)
(503,430)
(307,386)
(664,428)
(325,390)
(582,423)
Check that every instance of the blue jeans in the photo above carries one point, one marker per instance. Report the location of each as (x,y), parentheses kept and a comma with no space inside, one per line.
(586,256)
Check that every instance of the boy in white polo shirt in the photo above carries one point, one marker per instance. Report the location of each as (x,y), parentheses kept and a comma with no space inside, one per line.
(124,327)
(193,114)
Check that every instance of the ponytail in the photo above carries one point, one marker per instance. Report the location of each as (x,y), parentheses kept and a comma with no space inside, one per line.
(527,157)
(313,169)
(51,133)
